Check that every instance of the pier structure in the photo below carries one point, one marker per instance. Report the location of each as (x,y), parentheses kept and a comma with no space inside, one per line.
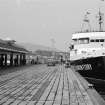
(11,54)
(41,85)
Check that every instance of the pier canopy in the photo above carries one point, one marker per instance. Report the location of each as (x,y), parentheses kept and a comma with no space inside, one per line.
(9,45)
(12,54)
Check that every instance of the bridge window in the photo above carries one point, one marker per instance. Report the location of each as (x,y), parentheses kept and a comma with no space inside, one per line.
(101,40)
(92,40)
(84,41)
(97,40)
(75,41)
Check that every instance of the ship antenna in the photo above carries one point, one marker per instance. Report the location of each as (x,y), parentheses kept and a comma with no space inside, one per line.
(100,19)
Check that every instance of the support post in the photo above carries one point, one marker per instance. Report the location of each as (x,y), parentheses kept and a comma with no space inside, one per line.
(5,60)
(11,59)
(21,60)
(24,59)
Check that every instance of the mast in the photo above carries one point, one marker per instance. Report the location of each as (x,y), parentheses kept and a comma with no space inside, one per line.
(100,20)
(100,17)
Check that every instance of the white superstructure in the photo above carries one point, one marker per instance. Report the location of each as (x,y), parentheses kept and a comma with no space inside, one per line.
(87,44)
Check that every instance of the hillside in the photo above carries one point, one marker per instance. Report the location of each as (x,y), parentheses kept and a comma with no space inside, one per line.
(35,47)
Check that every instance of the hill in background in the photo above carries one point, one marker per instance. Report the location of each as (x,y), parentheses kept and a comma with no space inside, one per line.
(35,47)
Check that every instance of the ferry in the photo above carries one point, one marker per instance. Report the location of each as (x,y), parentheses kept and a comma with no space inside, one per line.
(87,53)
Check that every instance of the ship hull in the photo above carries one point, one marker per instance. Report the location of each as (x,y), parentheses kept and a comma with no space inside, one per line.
(93,69)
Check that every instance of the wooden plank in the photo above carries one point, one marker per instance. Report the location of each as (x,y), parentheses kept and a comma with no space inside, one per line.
(63,88)
(8,102)
(58,97)
(78,88)
(45,95)
(16,102)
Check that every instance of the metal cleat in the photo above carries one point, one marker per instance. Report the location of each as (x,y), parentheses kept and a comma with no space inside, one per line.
(90,86)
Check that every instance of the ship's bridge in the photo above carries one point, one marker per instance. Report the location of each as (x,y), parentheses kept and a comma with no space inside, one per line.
(88,45)
(86,38)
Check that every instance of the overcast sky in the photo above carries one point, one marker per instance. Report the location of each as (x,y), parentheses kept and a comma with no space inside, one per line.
(39,21)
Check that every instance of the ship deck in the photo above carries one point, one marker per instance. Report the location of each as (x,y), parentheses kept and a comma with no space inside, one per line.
(47,86)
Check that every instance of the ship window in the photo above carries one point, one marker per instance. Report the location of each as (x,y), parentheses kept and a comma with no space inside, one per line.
(83,41)
(92,40)
(101,40)
(97,40)
(86,41)
(75,41)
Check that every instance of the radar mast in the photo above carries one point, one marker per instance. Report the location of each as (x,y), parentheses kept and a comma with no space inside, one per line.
(100,19)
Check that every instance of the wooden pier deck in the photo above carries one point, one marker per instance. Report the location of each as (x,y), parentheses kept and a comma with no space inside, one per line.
(45,86)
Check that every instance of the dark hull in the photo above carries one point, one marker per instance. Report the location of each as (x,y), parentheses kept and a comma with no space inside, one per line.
(92,69)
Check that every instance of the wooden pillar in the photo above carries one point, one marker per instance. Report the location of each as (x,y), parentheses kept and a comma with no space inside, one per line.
(1,60)
(11,59)
(17,62)
(24,59)
(5,60)
(37,60)
(21,60)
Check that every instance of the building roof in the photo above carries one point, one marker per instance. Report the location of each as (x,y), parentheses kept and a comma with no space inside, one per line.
(11,46)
